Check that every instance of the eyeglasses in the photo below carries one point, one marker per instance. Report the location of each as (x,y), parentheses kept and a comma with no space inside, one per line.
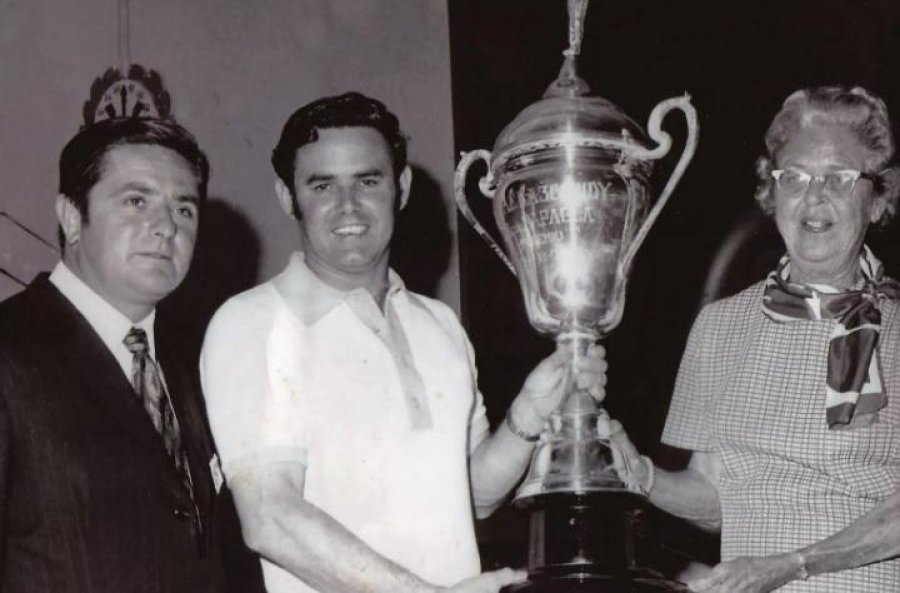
(840,183)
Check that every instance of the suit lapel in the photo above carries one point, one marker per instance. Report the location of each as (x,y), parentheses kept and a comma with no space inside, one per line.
(184,393)
(93,367)
(182,381)
(107,390)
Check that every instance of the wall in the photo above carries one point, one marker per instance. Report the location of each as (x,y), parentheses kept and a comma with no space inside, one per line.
(235,70)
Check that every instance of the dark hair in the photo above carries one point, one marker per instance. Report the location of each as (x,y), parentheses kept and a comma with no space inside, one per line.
(343,111)
(857,109)
(81,160)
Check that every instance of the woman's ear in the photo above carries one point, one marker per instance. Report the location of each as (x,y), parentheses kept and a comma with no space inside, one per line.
(884,203)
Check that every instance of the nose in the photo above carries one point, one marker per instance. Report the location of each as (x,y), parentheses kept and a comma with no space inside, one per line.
(162,223)
(348,199)
(814,192)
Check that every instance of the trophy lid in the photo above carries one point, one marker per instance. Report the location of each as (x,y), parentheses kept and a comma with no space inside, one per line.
(567,116)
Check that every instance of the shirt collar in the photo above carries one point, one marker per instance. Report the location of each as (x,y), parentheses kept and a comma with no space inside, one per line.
(109,323)
(310,299)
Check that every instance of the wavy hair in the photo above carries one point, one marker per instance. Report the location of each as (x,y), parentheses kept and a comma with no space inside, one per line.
(81,160)
(351,109)
(858,110)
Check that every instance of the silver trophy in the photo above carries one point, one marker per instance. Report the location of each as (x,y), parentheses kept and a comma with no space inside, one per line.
(570,182)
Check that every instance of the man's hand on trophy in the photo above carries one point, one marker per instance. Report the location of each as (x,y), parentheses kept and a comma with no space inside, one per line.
(489,582)
(553,378)
(634,469)
(590,371)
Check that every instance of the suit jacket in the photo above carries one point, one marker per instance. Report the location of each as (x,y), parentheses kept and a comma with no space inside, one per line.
(89,499)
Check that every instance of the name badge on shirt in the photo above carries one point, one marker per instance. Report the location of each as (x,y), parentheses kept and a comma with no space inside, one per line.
(215,469)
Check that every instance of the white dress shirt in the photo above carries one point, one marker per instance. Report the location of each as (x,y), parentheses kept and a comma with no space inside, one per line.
(109,323)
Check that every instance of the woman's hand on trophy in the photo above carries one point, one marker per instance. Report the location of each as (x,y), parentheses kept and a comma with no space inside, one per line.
(635,470)
(553,378)
(751,575)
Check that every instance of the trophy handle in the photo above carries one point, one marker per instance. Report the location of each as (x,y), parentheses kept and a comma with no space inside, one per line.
(486,185)
(664,142)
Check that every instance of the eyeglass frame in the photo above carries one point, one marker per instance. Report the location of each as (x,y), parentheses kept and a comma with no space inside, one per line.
(777,173)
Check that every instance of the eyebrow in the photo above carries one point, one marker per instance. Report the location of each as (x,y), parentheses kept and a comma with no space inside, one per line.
(317,178)
(136,186)
(190,198)
(147,189)
(369,173)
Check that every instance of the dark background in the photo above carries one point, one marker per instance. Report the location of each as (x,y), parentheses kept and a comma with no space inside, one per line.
(738,61)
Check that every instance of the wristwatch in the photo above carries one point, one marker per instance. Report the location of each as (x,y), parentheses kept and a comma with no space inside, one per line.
(516,430)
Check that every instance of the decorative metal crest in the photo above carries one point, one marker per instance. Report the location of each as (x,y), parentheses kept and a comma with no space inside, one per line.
(141,94)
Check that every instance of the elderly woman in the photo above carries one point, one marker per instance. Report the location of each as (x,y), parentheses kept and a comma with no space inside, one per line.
(788,395)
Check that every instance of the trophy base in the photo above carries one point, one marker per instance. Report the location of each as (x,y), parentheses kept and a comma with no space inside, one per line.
(598,584)
(586,542)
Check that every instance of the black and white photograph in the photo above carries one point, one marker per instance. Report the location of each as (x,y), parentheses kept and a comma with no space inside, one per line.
(466,296)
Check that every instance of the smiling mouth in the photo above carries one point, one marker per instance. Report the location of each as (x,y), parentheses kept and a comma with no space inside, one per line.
(817,226)
(350,230)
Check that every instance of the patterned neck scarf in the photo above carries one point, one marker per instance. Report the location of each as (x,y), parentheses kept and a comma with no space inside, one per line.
(854,393)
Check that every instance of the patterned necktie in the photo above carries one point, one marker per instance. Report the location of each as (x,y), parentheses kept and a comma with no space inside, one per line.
(148,384)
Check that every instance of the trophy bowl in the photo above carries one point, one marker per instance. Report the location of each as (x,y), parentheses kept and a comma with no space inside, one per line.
(570,183)
(567,214)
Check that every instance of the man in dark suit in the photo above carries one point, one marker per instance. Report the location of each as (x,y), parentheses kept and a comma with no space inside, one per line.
(108,477)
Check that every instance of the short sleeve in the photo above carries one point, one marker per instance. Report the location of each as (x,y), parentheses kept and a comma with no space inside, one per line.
(688,424)
(479,427)
(246,407)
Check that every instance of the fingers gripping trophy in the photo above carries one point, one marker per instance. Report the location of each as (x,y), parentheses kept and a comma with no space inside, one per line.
(570,182)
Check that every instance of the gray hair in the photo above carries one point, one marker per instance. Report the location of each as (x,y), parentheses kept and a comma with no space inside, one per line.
(858,110)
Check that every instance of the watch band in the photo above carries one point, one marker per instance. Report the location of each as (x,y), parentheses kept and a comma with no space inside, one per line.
(516,430)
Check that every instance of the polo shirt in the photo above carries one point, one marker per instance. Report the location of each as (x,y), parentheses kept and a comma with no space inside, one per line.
(381,409)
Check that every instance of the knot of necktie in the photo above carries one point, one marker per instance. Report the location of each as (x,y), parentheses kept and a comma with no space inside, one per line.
(136,341)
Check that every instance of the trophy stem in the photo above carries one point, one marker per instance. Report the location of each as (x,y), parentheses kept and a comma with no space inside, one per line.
(573,454)
(577,401)
(581,341)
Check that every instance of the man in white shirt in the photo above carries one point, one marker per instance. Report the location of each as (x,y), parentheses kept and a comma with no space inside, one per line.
(345,407)
(106,482)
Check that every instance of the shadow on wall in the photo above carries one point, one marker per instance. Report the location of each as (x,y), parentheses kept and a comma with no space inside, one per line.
(226,262)
(747,254)
(753,247)
(420,249)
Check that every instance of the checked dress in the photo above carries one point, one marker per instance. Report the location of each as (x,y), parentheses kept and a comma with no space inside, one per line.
(752,390)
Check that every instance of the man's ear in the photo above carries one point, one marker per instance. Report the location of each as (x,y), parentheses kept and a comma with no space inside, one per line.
(70,220)
(285,198)
(405,182)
